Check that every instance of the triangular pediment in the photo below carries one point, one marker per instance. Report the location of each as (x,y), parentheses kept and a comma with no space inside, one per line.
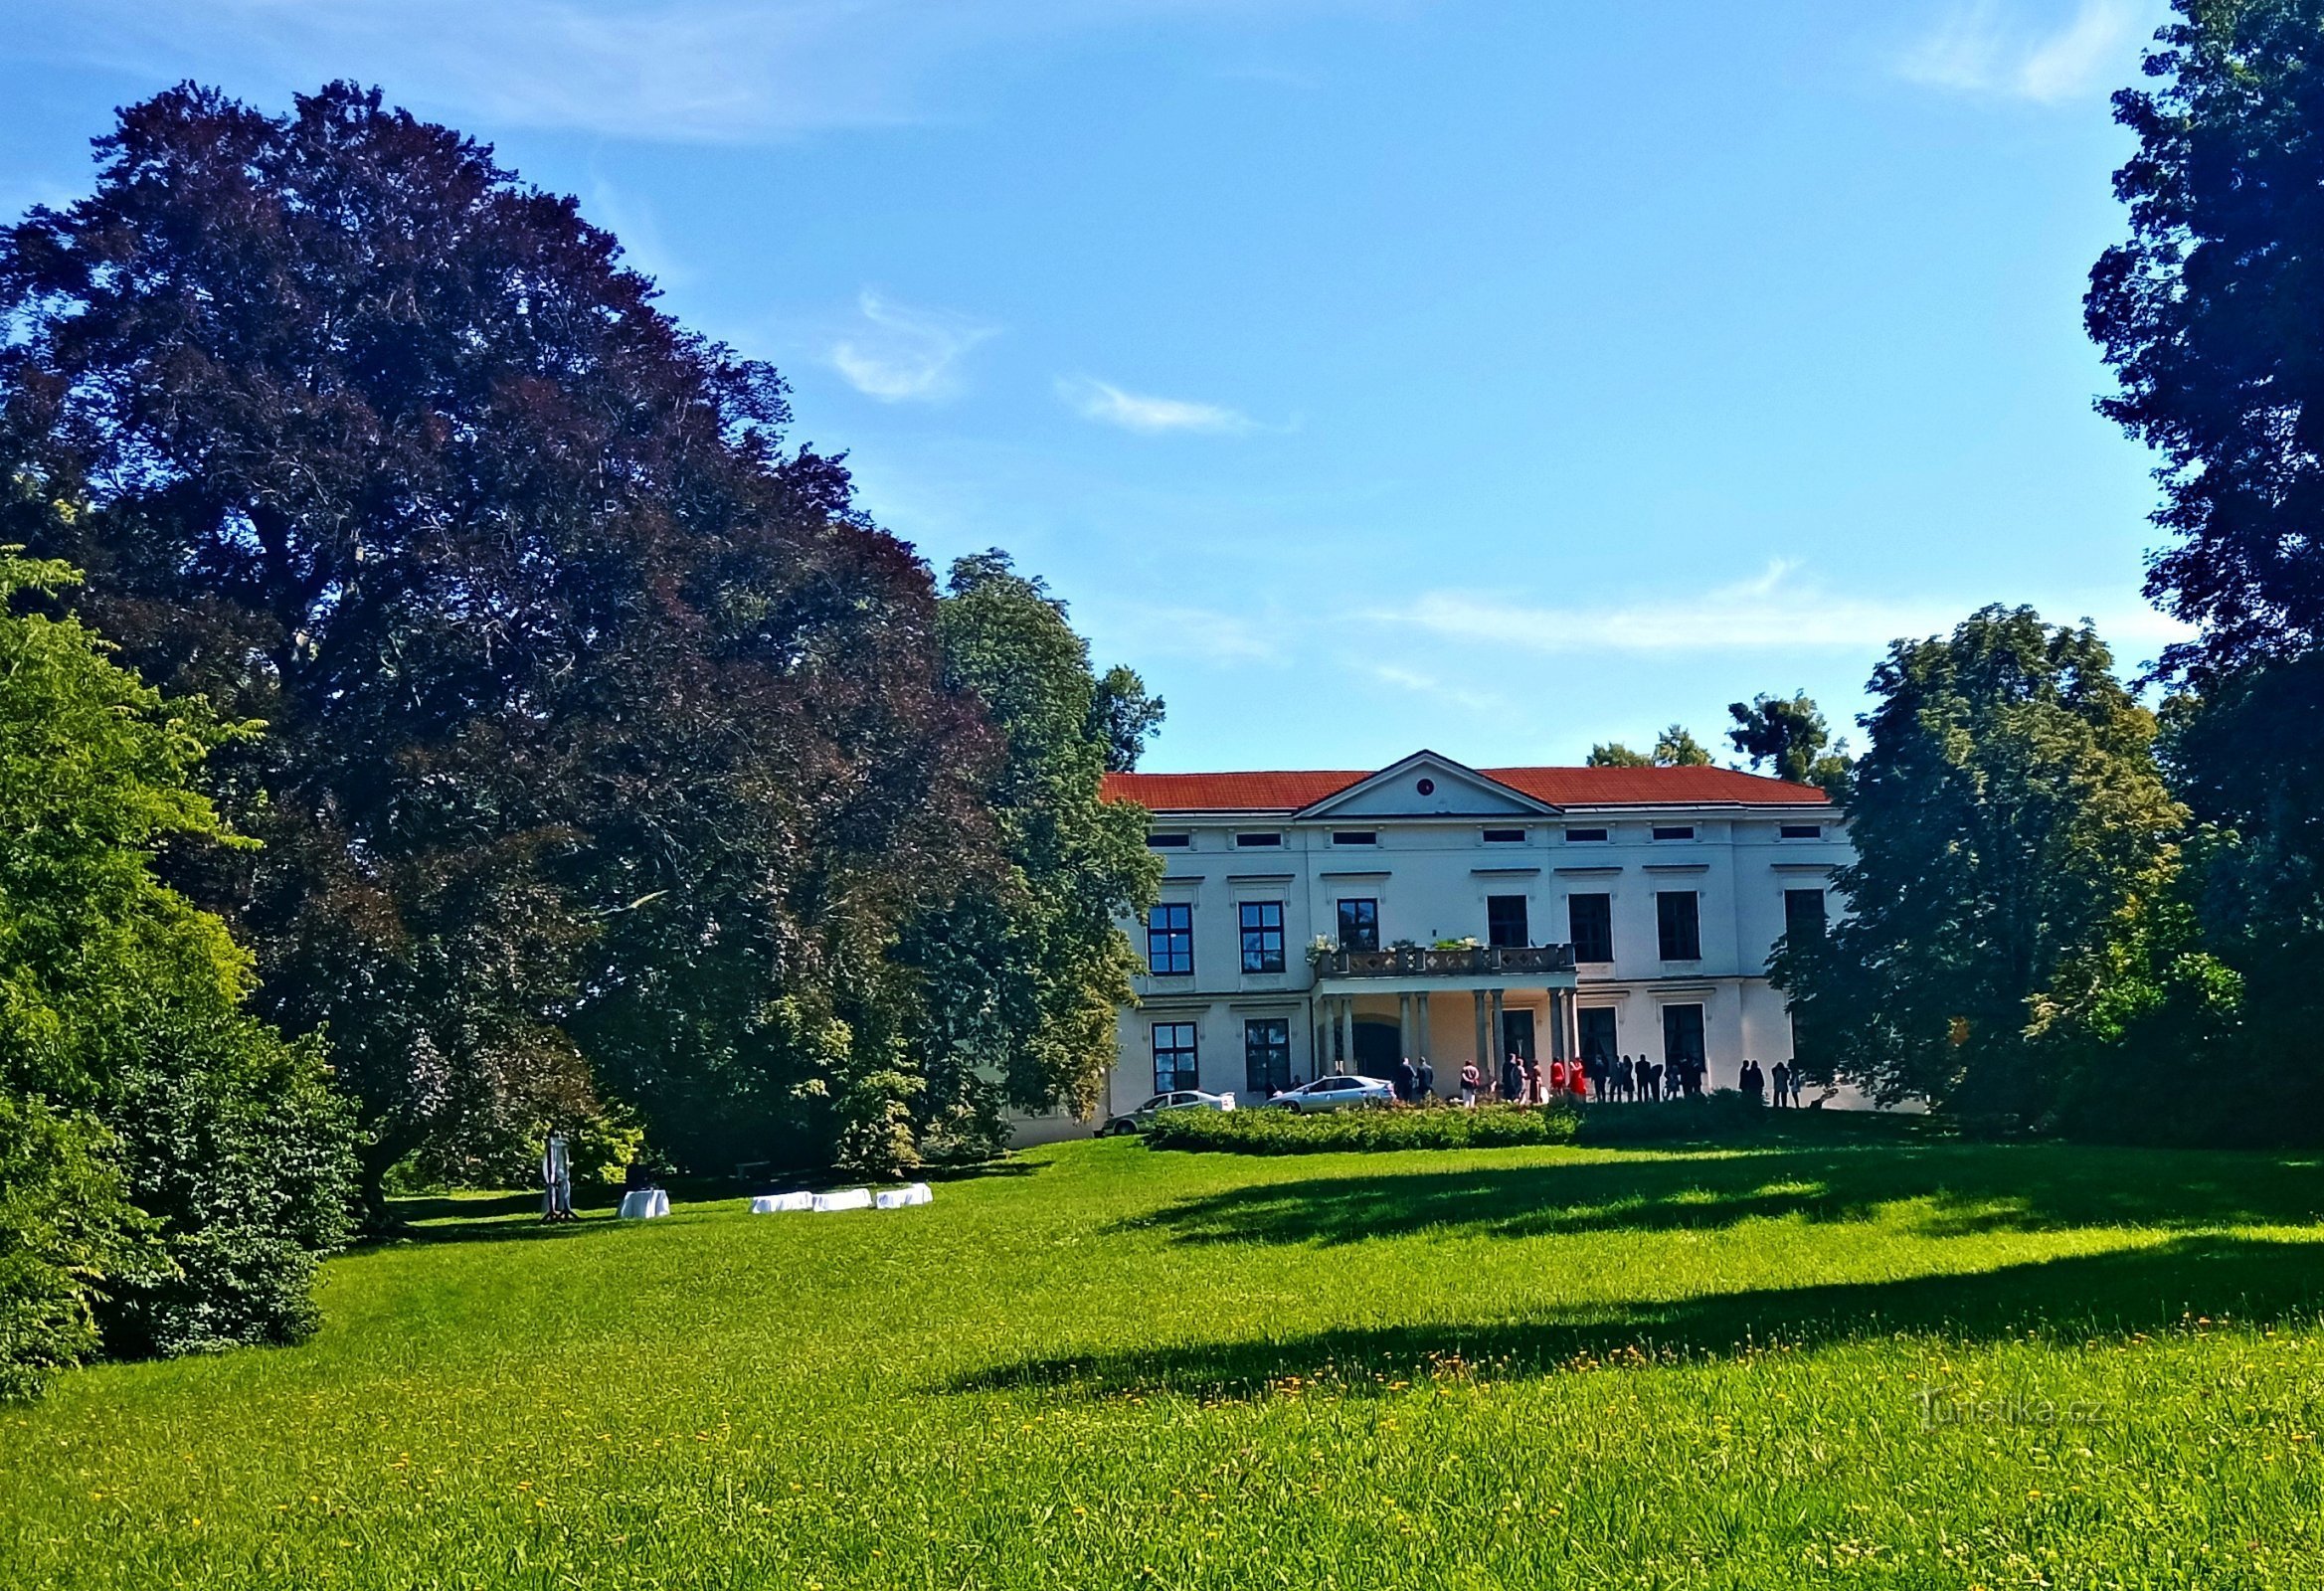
(1425,785)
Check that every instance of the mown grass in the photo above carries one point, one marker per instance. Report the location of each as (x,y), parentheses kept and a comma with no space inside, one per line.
(1122,1367)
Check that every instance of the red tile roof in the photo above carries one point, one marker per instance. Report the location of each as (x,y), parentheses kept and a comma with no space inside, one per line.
(1288,792)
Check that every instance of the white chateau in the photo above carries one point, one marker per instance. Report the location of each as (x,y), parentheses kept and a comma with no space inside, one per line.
(1320,922)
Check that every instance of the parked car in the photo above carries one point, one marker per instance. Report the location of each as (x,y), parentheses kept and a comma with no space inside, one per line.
(1336,1094)
(1184,1098)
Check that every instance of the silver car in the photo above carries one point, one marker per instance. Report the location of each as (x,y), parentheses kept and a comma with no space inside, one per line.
(1336,1094)
(1184,1098)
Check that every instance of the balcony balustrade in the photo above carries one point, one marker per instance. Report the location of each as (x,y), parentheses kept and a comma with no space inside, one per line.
(1482,961)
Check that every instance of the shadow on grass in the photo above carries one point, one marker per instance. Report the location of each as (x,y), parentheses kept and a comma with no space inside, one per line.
(515,1217)
(1968,1189)
(2180,1283)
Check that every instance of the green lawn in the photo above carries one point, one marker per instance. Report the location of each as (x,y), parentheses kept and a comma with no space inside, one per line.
(1111,1366)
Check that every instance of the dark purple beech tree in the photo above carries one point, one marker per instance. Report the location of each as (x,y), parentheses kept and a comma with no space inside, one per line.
(606,742)
(2212,315)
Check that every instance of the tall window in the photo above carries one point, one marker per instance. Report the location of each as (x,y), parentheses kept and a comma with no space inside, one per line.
(1267,1055)
(1174,1064)
(1803,914)
(1679,921)
(1261,936)
(1505,921)
(1683,1033)
(1590,919)
(1359,925)
(1169,941)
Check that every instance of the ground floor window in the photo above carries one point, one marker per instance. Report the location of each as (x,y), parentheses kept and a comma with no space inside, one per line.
(1597,1032)
(1174,1064)
(1267,1055)
(1682,1033)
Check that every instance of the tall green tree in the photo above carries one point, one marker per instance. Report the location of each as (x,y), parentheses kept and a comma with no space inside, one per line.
(2206,312)
(1788,736)
(123,1041)
(606,740)
(1026,969)
(2006,814)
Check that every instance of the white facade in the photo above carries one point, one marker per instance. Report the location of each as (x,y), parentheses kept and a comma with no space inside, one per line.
(1671,885)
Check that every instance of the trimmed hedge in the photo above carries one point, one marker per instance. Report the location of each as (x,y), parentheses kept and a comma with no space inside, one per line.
(1260,1131)
(1722,1118)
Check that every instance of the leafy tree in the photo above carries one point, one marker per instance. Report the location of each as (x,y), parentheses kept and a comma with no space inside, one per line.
(2205,314)
(605,738)
(2007,814)
(1123,712)
(1027,968)
(120,1007)
(1614,754)
(1788,736)
(1676,747)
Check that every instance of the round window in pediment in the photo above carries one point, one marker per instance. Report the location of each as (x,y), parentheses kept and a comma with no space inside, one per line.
(1426,786)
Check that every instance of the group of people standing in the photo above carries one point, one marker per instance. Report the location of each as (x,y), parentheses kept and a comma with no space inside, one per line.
(1525,1081)
(1755,1080)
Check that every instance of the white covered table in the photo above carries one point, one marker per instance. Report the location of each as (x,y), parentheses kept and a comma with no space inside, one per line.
(781,1203)
(645,1204)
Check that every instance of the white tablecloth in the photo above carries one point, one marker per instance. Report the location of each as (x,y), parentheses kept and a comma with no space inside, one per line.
(854,1198)
(896,1198)
(645,1204)
(781,1203)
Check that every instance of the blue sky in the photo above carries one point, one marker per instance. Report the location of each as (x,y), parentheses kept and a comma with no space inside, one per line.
(1370,374)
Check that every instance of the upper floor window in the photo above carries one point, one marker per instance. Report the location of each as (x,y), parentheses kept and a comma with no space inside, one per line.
(1356,836)
(1803,914)
(1169,843)
(1584,836)
(1678,924)
(1169,941)
(1680,831)
(1359,925)
(1590,920)
(1261,936)
(1505,836)
(1800,831)
(1248,840)
(1505,922)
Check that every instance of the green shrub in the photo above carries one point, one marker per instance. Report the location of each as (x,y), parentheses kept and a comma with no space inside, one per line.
(1724,1117)
(236,1144)
(65,1222)
(1278,1131)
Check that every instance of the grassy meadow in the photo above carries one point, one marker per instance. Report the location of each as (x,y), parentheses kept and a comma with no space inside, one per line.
(1797,1364)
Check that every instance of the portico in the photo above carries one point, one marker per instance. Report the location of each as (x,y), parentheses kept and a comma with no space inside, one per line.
(1534,981)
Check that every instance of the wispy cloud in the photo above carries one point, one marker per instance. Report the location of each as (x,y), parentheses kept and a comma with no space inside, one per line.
(1422,683)
(1991,48)
(687,70)
(1774,610)
(1109,405)
(1160,629)
(899,354)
